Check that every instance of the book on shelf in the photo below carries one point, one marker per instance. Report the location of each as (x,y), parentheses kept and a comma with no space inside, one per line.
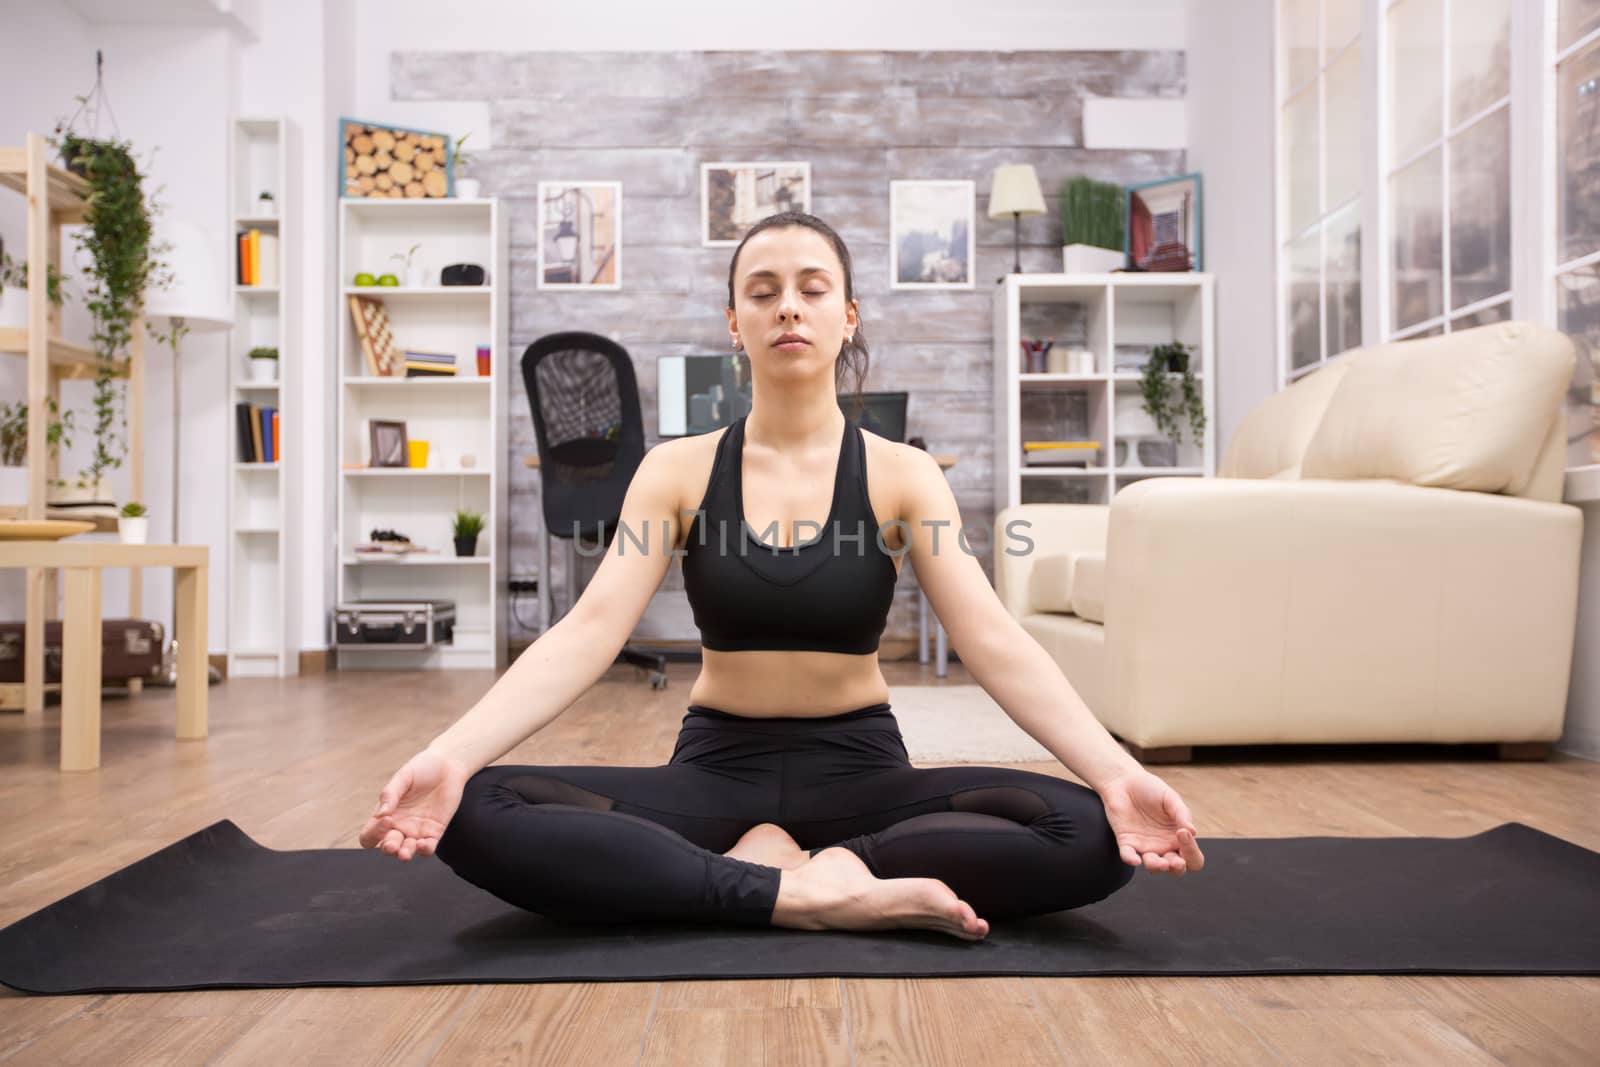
(429,364)
(257,258)
(1059,453)
(259,432)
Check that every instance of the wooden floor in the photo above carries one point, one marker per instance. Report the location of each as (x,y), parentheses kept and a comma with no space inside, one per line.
(298,763)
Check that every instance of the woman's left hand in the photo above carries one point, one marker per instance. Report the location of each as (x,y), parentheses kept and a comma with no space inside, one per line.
(1152,824)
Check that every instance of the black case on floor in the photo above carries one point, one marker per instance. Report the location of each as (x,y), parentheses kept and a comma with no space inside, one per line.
(394,623)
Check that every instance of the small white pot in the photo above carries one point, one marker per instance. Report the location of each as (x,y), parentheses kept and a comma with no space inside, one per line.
(467,188)
(267,209)
(133,531)
(263,370)
(1087,259)
(73,493)
(14,308)
(416,277)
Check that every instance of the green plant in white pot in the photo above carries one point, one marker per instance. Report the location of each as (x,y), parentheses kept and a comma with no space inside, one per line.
(133,523)
(466,188)
(1091,226)
(14,291)
(263,364)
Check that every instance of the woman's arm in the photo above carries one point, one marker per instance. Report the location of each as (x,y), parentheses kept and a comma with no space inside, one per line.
(1009,664)
(572,655)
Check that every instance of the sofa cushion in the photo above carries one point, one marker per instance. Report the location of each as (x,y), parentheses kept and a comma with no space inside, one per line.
(1089,587)
(1468,410)
(1272,438)
(1050,582)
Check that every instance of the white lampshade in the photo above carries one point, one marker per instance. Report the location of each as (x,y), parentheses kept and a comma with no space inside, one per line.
(1014,189)
(198,293)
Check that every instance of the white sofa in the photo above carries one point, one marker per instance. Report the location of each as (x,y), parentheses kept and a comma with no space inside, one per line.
(1384,557)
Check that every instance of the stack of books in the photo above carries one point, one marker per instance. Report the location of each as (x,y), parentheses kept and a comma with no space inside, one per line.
(429,365)
(1060,453)
(257,259)
(259,434)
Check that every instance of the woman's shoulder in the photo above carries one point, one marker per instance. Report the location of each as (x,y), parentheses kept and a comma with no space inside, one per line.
(686,462)
(895,471)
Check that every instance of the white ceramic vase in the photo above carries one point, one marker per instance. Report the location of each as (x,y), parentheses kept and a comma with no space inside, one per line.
(14,308)
(467,188)
(1089,259)
(133,531)
(263,370)
(416,277)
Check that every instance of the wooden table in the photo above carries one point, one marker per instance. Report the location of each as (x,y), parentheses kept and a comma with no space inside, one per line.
(80,635)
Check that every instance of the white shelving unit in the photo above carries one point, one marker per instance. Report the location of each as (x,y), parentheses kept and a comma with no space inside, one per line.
(460,417)
(1119,317)
(262,585)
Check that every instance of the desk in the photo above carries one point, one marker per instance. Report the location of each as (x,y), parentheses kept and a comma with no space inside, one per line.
(80,635)
(941,642)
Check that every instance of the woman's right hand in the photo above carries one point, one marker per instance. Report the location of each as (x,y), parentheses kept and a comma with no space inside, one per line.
(416,806)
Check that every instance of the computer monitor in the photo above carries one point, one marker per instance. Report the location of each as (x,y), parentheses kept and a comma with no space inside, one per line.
(882,413)
(698,394)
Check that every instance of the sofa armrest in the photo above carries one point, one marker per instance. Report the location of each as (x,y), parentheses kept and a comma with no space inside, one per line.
(1370,606)
(1025,533)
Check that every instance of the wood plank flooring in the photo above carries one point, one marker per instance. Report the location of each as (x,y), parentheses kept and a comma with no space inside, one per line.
(297,763)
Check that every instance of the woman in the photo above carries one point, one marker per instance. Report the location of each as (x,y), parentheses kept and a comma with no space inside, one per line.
(789,799)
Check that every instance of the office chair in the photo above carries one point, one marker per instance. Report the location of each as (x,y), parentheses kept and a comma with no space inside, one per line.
(590,433)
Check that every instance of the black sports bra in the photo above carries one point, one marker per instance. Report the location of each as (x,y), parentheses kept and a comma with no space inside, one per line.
(829,594)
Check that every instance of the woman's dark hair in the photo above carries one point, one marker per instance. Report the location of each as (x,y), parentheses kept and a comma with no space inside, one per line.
(853,357)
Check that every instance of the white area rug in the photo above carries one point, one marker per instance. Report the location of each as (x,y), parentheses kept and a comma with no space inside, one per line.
(960,724)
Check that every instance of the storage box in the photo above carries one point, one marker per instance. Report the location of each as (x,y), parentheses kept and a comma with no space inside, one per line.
(129,648)
(416,624)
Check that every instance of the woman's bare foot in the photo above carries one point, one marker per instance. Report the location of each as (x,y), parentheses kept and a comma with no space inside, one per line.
(836,891)
(770,844)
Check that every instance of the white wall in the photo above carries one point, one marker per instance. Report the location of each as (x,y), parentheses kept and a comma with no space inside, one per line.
(169,91)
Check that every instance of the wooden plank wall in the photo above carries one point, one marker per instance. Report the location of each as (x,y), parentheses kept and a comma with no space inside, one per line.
(860,119)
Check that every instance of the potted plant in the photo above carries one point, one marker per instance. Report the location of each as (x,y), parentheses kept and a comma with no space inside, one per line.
(266,206)
(133,524)
(415,276)
(1091,226)
(14,445)
(263,364)
(1159,404)
(468,525)
(466,188)
(121,263)
(14,291)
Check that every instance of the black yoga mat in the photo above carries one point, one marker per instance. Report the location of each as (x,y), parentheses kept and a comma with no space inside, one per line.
(217,909)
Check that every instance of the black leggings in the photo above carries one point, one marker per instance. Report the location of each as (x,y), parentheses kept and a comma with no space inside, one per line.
(618,844)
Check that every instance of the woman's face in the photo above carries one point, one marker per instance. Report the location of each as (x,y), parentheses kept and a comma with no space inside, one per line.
(788,281)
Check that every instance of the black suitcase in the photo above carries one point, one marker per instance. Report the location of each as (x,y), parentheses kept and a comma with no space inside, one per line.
(129,648)
(409,624)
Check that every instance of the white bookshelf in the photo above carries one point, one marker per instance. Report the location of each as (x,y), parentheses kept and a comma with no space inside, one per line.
(458,417)
(1119,317)
(262,585)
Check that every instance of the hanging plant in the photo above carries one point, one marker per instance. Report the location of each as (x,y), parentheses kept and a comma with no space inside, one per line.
(122,264)
(1154,385)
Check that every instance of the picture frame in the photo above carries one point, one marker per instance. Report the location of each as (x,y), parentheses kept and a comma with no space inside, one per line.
(387,440)
(1162,227)
(378,160)
(735,196)
(580,235)
(931,233)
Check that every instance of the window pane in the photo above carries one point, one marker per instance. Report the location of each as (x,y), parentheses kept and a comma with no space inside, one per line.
(1300,155)
(1297,43)
(1480,56)
(1304,300)
(1341,22)
(1480,210)
(1342,309)
(1578,316)
(1343,107)
(1416,46)
(1578,120)
(1499,313)
(1415,222)
(1578,17)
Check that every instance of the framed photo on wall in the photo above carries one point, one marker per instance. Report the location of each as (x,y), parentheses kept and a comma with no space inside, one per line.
(383,161)
(388,442)
(930,234)
(735,196)
(1163,224)
(580,235)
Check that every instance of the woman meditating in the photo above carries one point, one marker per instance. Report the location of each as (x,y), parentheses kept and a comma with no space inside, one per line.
(789,798)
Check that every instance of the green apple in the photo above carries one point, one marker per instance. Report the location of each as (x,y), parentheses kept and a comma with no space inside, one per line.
(365,279)
(388,280)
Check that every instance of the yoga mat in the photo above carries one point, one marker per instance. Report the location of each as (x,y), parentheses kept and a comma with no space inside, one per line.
(216,909)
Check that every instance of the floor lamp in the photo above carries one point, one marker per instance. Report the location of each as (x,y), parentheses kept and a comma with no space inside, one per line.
(195,300)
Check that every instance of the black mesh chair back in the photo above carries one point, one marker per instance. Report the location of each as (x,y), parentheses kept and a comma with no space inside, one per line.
(589,427)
